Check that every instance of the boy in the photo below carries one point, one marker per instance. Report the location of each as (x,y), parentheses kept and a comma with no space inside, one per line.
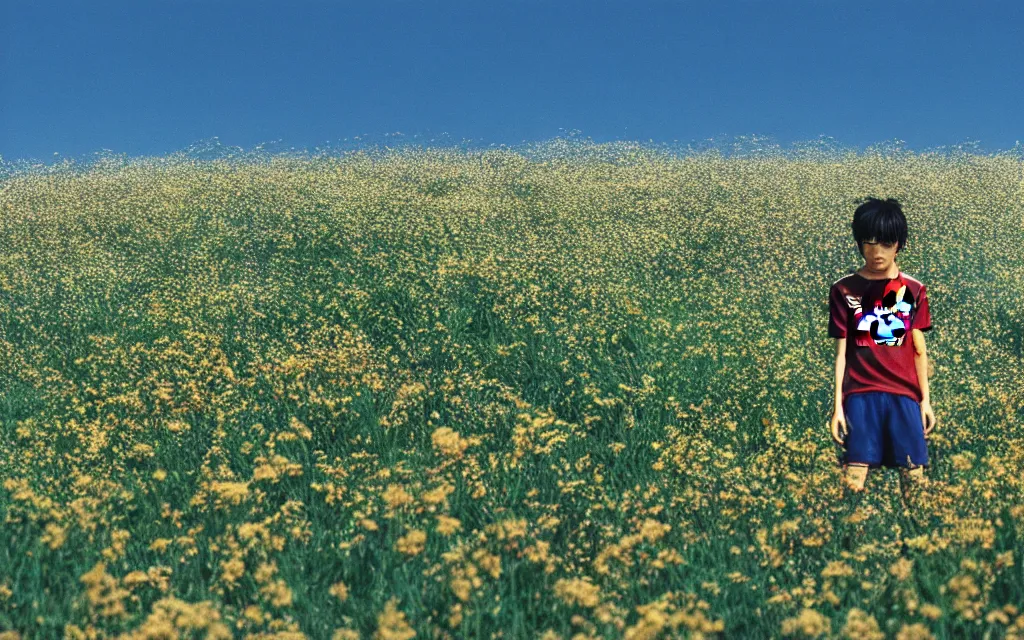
(878,314)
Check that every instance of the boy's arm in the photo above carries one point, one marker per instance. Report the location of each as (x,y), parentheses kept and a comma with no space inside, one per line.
(921,363)
(840,372)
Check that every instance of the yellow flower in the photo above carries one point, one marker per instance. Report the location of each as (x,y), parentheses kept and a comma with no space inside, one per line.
(962,461)
(809,623)
(391,624)
(396,496)
(1004,559)
(412,543)
(54,536)
(461,588)
(103,592)
(512,529)
(447,525)
(278,593)
(930,611)
(233,492)
(837,569)
(135,578)
(177,426)
(265,572)
(251,530)
(141,451)
(488,562)
(232,570)
(118,539)
(578,591)
(368,524)
(339,590)
(916,631)
(300,429)
(448,442)
(438,494)
(455,618)
(254,613)
(160,544)
(159,577)
(902,568)
(860,625)
(264,472)
(652,530)
(171,617)
(712,586)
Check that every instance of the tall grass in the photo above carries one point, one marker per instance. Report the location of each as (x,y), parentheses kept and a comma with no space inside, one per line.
(480,394)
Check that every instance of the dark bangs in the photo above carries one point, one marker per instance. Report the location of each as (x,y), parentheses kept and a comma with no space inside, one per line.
(882,220)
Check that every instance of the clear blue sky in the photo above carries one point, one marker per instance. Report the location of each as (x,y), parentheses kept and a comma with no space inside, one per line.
(149,77)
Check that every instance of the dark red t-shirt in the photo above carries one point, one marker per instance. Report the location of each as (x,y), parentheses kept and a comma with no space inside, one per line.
(876,317)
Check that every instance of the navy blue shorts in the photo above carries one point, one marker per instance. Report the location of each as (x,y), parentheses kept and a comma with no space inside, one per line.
(884,429)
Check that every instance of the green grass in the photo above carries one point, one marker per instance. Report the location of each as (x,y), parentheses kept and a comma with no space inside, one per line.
(621,344)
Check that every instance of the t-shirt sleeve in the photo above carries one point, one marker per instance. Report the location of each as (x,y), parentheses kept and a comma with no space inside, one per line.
(923,317)
(838,313)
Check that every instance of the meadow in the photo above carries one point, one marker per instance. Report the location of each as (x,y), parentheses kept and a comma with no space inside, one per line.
(441,394)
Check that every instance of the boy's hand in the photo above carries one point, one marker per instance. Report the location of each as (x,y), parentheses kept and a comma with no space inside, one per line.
(927,416)
(839,430)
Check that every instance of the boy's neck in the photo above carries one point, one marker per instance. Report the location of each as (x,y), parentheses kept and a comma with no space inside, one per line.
(864,272)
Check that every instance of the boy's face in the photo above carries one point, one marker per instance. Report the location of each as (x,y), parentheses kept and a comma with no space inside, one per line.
(878,256)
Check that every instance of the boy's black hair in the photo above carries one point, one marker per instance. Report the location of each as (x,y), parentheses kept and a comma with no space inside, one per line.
(881,220)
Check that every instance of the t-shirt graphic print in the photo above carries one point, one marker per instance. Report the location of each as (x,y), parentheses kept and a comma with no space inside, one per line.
(889,320)
(876,317)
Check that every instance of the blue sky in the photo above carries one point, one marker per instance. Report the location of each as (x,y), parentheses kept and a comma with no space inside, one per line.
(151,77)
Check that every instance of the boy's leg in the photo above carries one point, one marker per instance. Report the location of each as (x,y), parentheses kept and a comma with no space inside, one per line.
(856,475)
(909,450)
(910,477)
(864,413)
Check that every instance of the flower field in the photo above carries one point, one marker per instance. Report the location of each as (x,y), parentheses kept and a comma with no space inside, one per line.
(439,394)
